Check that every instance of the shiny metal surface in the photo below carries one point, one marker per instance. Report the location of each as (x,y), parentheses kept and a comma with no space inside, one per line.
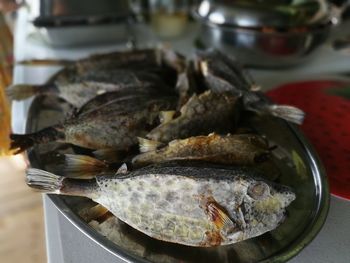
(52,13)
(301,169)
(257,14)
(264,49)
(63,23)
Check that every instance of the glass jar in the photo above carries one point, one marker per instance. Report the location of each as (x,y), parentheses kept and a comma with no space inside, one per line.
(169,17)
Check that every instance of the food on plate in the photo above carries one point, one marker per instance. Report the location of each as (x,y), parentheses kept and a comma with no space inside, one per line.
(194,206)
(202,114)
(238,149)
(231,149)
(112,125)
(199,177)
(77,89)
(222,73)
(82,80)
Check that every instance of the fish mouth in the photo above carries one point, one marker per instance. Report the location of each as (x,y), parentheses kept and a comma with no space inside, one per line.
(286,196)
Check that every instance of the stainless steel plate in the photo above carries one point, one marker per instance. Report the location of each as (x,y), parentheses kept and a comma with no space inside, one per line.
(301,169)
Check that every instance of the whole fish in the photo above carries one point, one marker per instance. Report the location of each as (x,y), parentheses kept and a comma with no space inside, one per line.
(222,73)
(240,149)
(77,89)
(187,205)
(237,149)
(83,79)
(112,125)
(209,112)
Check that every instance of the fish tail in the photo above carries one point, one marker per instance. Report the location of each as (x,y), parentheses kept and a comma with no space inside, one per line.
(21,142)
(288,113)
(50,183)
(24,91)
(45,62)
(83,166)
(44,181)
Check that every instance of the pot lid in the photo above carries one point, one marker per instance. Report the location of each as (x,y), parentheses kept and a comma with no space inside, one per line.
(261,13)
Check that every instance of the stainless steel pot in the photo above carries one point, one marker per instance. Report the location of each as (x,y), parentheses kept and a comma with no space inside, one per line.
(75,22)
(261,42)
(254,47)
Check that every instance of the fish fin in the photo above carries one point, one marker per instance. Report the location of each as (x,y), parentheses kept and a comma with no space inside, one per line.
(288,113)
(108,154)
(148,145)
(45,62)
(122,169)
(93,213)
(220,217)
(166,116)
(23,91)
(44,181)
(21,142)
(83,166)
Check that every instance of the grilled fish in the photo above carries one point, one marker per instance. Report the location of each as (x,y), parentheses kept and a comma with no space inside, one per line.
(191,206)
(112,125)
(240,149)
(83,79)
(222,73)
(209,112)
(80,88)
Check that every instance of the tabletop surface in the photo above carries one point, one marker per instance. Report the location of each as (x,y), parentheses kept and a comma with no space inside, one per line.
(332,243)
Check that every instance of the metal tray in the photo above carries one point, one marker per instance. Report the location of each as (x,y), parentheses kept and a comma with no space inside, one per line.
(301,169)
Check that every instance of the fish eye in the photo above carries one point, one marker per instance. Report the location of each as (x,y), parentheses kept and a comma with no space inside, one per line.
(258,190)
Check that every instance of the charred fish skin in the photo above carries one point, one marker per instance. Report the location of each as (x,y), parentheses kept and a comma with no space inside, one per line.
(222,73)
(113,125)
(192,206)
(123,96)
(86,88)
(201,115)
(240,149)
(82,80)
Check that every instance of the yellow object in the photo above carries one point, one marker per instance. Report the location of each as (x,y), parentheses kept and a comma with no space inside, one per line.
(6,63)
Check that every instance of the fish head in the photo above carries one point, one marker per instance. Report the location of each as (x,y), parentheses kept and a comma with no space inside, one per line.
(263,207)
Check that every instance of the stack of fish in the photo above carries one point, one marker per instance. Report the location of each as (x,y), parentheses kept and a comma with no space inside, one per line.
(192,178)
